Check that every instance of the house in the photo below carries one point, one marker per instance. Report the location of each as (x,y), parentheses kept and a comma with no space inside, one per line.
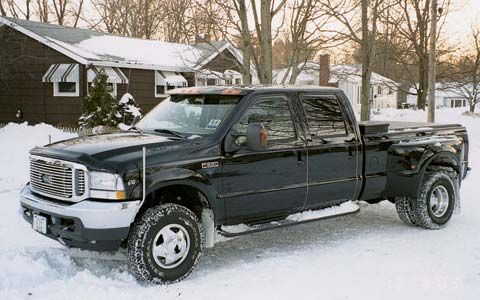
(46,70)
(446,95)
(346,77)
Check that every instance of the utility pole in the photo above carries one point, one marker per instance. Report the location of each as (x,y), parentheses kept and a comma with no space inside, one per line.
(431,63)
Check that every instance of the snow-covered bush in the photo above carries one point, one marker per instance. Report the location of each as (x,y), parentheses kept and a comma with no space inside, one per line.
(99,107)
(128,111)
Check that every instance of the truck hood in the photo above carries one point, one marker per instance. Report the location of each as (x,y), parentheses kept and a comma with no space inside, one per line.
(114,151)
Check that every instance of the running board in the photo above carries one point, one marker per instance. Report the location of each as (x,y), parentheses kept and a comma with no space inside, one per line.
(347,208)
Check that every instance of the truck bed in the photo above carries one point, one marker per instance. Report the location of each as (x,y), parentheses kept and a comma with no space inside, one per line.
(380,136)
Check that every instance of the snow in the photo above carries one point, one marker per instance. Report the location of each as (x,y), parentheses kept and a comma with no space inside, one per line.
(326,212)
(369,255)
(157,54)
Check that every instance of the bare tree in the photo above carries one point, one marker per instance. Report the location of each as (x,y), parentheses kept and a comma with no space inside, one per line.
(60,8)
(410,19)
(346,13)
(263,27)
(17,9)
(43,10)
(3,12)
(465,81)
(303,38)
(137,18)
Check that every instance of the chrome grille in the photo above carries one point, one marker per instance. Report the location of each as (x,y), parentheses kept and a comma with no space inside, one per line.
(80,179)
(58,179)
(52,179)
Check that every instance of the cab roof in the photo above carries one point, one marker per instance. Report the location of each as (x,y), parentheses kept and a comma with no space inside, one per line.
(247,89)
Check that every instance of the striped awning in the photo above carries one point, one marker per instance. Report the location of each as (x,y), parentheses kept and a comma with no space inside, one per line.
(169,78)
(62,73)
(115,75)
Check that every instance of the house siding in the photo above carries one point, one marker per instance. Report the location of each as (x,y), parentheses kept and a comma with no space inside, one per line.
(23,62)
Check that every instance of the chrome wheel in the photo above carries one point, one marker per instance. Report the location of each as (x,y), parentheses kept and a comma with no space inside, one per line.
(439,201)
(170,246)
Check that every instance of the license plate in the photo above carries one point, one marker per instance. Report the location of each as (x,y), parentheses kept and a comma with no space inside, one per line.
(39,224)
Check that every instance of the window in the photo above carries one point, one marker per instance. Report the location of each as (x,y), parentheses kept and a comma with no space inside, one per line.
(379,90)
(228,81)
(189,114)
(159,89)
(211,81)
(238,80)
(390,90)
(274,115)
(324,117)
(201,81)
(66,89)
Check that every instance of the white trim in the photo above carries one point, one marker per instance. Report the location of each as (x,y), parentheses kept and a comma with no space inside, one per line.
(57,93)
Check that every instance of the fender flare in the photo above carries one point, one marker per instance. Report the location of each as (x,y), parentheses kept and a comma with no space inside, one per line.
(397,181)
(180,176)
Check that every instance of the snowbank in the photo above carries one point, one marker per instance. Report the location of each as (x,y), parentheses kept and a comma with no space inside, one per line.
(16,140)
(369,255)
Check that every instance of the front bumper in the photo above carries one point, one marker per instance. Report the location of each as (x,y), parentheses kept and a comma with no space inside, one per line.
(91,225)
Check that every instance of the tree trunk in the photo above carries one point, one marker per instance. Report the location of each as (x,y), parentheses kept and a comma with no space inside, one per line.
(431,63)
(366,71)
(266,40)
(246,41)
(422,82)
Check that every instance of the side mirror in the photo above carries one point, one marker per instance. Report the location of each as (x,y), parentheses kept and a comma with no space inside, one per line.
(256,137)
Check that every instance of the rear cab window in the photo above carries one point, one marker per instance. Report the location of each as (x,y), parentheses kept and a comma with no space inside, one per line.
(325,117)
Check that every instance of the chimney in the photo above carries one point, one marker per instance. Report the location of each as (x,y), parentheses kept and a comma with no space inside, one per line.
(324,71)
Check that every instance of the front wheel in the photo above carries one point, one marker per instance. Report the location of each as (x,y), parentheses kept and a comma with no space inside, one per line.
(164,245)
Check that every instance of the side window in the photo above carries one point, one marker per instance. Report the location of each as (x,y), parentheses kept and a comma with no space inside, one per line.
(324,117)
(274,114)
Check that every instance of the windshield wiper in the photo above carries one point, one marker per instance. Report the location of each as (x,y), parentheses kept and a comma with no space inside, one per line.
(170,132)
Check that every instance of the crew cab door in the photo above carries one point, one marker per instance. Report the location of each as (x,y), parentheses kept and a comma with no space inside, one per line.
(333,152)
(259,185)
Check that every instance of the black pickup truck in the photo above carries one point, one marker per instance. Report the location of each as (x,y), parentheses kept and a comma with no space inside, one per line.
(209,158)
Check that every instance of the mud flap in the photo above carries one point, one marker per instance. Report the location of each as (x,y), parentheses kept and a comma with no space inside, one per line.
(457,208)
(208,228)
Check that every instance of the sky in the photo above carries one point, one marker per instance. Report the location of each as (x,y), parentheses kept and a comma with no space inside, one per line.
(464,14)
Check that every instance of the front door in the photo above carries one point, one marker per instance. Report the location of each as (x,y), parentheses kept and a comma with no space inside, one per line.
(266,184)
(333,152)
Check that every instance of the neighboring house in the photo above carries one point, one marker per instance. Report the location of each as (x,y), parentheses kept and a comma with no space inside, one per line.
(446,95)
(346,77)
(46,70)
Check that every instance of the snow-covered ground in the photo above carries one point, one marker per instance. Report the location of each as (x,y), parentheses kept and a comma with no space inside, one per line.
(370,255)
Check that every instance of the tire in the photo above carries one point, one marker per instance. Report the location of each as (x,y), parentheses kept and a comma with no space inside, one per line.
(404,210)
(435,203)
(428,215)
(178,237)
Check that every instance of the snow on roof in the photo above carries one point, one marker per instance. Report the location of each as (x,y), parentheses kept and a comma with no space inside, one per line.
(350,73)
(91,47)
(446,90)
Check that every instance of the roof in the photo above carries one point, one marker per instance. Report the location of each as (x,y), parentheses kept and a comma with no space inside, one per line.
(350,73)
(446,90)
(246,89)
(103,49)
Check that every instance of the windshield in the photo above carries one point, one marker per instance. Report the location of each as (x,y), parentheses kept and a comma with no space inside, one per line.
(188,114)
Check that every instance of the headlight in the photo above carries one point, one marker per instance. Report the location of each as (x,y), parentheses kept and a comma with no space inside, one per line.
(106,186)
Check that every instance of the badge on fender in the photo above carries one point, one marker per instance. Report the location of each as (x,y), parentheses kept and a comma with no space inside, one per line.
(210,164)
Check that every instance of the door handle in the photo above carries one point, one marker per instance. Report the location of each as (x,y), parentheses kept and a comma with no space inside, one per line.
(350,151)
(300,161)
